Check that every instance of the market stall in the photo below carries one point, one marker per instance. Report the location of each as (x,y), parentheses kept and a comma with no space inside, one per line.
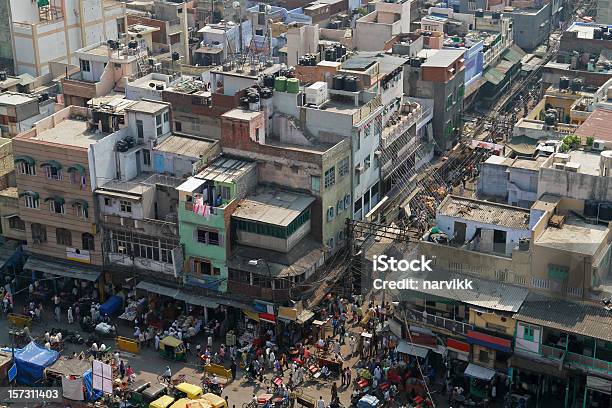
(480,378)
(31,362)
(112,305)
(65,367)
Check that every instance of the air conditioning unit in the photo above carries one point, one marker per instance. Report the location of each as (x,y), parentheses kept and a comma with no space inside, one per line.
(598,145)
(122,249)
(559,166)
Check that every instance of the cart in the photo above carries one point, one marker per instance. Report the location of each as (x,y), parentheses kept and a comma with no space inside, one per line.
(172,348)
(187,390)
(153,392)
(135,391)
(20,321)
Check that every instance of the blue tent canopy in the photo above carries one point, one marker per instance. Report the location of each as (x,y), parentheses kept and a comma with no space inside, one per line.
(91,394)
(111,305)
(31,362)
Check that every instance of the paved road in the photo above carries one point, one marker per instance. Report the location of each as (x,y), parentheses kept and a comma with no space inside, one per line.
(148,364)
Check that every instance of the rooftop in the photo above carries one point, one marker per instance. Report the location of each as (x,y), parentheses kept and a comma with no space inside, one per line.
(586,30)
(387,62)
(358,63)
(525,164)
(10,192)
(598,125)
(484,212)
(226,170)
(588,161)
(574,236)
(185,145)
(144,106)
(241,114)
(579,318)
(443,58)
(13,98)
(272,206)
(71,132)
(9,82)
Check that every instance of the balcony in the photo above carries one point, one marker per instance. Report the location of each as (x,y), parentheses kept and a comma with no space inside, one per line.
(402,125)
(367,109)
(214,219)
(575,360)
(434,321)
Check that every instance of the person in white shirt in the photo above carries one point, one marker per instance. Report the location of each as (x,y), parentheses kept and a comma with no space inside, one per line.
(320,402)
(103,347)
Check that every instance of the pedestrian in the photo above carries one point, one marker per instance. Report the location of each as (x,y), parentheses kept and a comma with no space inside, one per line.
(121,369)
(226,401)
(320,402)
(334,392)
(271,359)
(141,339)
(117,359)
(157,340)
(70,316)
(130,374)
(233,368)
(58,312)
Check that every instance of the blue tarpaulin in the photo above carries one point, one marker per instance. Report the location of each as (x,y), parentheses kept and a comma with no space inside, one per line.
(90,393)
(31,362)
(111,305)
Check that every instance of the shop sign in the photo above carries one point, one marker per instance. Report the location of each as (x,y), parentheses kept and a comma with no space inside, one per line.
(79,255)
(457,346)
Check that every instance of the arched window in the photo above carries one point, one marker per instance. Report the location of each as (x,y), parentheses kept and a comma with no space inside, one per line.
(63,236)
(88,241)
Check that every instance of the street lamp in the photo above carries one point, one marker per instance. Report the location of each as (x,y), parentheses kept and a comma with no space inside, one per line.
(256,262)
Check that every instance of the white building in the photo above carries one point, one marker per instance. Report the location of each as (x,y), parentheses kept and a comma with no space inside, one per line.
(387,20)
(53,32)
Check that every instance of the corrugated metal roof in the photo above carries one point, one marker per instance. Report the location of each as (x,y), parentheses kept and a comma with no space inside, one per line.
(493,76)
(513,54)
(273,207)
(485,212)
(185,146)
(443,58)
(226,170)
(484,293)
(598,125)
(579,318)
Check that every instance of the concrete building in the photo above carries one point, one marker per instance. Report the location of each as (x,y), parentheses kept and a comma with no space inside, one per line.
(515,181)
(12,225)
(604,12)
(150,86)
(301,40)
(56,173)
(18,112)
(206,237)
(53,31)
(387,20)
(596,127)
(7,56)
(441,77)
(103,69)
(532,25)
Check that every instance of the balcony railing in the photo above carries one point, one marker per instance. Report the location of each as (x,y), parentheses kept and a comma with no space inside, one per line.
(577,360)
(438,321)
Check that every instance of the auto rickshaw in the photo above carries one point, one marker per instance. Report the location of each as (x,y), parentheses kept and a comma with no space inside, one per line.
(173,348)
(162,402)
(215,400)
(186,390)
(153,392)
(182,403)
(135,392)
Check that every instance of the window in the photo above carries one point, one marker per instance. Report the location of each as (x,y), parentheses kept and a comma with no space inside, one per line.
(31,201)
(140,129)
(146,157)
(81,210)
(158,120)
(53,173)
(201,267)
(29,169)
(63,237)
(357,141)
(39,233)
(343,168)
(87,241)
(125,206)
(208,237)
(57,207)
(16,223)
(330,177)
(226,193)
(449,101)
(107,202)
(158,131)
(85,67)
(315,183)
(357,205)
(178,126)
(330,213)
(166,117)
(483,356)
(528,333)
(366,162)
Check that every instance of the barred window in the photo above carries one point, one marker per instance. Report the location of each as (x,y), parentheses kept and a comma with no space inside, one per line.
(330,177)
(343,168)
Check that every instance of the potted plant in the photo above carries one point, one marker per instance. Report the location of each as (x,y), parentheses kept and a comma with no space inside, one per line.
(589,143)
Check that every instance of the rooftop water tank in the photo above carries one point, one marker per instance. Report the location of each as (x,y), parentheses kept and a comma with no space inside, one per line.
(605,163)
(293,85)
(280,84)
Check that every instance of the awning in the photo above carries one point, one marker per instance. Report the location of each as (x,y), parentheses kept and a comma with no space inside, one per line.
(160,290)
(305,316)
(539,366)
(458,346)
(287,314)
(191,184)
(62,269)
(492,342)
(57,199)
(267,317)
(196,300)
(51,163)
(411,349)
(84,204)
(493,76)
(251,314)
(30,193)
(476,371)
(25,159)
(77,168)
(8,216)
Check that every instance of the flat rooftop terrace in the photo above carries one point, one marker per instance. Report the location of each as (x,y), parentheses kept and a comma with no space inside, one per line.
(71,132)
